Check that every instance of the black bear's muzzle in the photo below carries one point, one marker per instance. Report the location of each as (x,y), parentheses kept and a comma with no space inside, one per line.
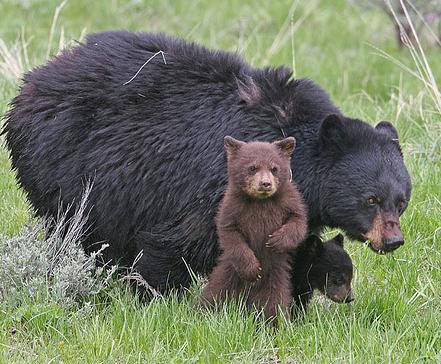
(385,233)
(392,243)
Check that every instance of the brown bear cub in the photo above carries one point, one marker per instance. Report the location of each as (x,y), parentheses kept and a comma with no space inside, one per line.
(261,219)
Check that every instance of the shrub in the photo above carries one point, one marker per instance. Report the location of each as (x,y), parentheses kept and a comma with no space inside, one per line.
(54,268)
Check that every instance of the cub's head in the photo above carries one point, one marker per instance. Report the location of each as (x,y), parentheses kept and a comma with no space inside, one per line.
(258,169)
(331,270)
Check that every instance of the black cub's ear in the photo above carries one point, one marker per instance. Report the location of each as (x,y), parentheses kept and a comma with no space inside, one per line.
(313,243)
(286,146)
(387,128)
(339,239)
(232,145)
(249,92)
(332,132)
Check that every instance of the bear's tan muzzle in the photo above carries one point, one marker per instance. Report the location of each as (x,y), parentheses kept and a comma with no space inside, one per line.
(385,234)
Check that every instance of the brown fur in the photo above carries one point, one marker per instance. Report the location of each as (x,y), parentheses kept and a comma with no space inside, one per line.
(384,226)
(257,229)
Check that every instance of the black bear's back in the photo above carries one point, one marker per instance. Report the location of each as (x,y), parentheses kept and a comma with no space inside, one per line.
(151,144)
(150,137)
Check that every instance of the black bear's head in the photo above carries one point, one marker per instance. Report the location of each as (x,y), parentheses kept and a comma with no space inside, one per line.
(331,268)
(257,169)
(365,186)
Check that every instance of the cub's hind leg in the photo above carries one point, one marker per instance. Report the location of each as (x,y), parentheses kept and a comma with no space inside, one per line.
(222,284)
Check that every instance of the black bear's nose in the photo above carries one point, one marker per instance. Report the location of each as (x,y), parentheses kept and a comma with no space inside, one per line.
(265,184)
(393,243)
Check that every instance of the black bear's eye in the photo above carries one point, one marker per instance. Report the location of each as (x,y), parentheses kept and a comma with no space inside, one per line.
(401,206)
(274,170)
(252,169)
(373,200)
(338,281)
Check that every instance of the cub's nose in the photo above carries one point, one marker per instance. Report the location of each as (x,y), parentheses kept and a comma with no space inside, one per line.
(265,185)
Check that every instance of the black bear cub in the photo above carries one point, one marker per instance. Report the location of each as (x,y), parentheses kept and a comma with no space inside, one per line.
(324,266)
(261,219)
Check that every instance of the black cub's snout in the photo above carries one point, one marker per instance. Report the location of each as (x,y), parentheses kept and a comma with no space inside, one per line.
(349,298)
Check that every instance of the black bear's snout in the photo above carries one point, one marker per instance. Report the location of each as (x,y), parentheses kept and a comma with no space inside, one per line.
(392,243)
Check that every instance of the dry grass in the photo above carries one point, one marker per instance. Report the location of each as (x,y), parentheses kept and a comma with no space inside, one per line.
(14,59)
(423,70)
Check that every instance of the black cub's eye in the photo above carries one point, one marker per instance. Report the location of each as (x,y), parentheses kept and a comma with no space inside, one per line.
(274,170)
(373,200)
(252,169)
(338,281)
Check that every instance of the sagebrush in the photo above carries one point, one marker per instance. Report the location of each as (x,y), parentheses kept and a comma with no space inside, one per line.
(46,259)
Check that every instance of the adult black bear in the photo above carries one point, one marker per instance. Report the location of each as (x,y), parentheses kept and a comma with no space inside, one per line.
(150,136)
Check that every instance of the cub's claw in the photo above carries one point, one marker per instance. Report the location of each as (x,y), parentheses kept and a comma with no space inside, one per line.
(259,275)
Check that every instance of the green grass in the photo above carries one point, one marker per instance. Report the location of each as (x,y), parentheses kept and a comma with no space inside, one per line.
(396,316)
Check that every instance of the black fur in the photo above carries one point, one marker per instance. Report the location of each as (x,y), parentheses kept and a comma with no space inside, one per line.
(323,266)
(154,146)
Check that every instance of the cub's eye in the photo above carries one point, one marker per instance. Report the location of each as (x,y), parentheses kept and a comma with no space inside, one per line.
(373,200)
(252,169)
(274,170)
(338,281)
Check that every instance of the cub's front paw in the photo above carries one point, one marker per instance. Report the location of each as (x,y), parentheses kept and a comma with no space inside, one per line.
(280,242)
(251,272)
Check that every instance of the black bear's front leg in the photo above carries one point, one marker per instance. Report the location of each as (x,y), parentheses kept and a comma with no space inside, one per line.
(161,264)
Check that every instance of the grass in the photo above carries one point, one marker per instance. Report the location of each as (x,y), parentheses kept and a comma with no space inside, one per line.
(396,316)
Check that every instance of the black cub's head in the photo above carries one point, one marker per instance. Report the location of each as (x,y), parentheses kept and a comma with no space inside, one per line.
(258,169)
(331,269)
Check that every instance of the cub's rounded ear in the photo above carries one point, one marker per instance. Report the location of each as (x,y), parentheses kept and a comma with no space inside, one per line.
(286,146)
(333,133)
(232,145)
(339,239)
(313,243)
(387,128)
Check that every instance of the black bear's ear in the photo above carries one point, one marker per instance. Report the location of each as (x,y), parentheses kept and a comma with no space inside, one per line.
(232,145)
(387,128)
(286,146)
(249,92)
(339,239)
(332,132)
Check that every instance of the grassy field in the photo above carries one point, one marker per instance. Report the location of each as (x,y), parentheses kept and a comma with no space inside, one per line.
(396,316)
